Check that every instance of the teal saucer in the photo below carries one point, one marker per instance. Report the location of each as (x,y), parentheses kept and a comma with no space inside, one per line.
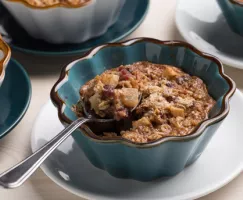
(130,18)
(15,95)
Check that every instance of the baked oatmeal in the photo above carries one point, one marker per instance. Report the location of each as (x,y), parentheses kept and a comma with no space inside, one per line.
(44,3)
(173,102)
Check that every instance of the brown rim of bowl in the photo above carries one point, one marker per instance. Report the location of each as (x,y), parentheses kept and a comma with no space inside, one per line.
(197,131)
(64,5)
(236,2)
(7,54)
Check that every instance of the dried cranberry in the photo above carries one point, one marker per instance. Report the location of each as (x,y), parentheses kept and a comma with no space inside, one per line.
(124,74)
(162,115)
(107,87)
(108,91)
(169,115)
(169,84)
(121,68)
(169,98)
(120,109)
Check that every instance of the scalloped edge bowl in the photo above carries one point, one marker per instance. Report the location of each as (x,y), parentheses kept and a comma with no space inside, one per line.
(164,157)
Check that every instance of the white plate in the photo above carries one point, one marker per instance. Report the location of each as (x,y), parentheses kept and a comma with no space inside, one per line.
(202,24)
(219,164)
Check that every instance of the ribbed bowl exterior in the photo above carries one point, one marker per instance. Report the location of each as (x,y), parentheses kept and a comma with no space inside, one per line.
(143,162)
(67,25)
(233,13)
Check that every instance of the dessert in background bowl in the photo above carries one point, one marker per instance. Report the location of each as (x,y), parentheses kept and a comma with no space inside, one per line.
(45,3)
(233,12)
(69,21)
(182,69)
(5,55)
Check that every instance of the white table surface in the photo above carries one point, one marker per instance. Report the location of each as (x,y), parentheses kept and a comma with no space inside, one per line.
(43,71)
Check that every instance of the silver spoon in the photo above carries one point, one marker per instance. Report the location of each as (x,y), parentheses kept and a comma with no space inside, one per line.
(17,175)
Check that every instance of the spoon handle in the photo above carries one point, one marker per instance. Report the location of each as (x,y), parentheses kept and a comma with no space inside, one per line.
(18,174)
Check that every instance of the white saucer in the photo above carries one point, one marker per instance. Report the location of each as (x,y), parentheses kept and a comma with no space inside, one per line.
(219,164)
(202,24)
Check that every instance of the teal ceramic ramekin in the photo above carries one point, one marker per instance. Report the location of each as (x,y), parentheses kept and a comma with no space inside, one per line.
(162,158)
(233,12)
